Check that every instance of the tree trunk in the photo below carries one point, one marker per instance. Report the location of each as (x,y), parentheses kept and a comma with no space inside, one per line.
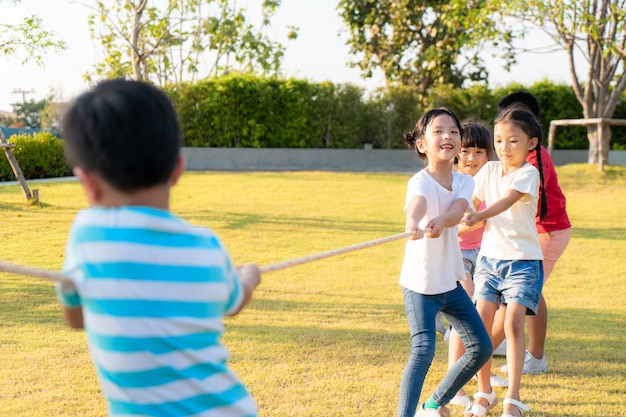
(606,146)
(598,154)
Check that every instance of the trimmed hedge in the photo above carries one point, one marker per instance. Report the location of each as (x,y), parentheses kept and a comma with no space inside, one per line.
(248,111)
(241,110)
(39,155)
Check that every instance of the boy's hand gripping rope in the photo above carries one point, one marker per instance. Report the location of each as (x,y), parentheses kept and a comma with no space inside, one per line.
(55,276)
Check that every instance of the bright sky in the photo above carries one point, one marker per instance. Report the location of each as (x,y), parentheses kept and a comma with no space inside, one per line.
(318,54)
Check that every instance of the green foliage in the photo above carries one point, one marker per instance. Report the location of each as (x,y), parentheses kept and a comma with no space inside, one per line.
(27,39)
(394,111)
(597,30)
(421,43)
(476,101)
(39,155)
(242,110)
(181,40)
(28,112)
(557,101)
(52,114)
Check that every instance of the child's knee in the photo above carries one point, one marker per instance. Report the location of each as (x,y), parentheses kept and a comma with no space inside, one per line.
(485,350)
(514,329)
(424,345)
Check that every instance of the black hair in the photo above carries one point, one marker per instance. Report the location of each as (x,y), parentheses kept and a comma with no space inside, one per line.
(476,134)
(125,132)
(527,122)
(520,99)
(417,133)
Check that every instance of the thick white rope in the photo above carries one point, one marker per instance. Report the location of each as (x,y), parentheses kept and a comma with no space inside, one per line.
(32,271)
(55,276)
(322,255)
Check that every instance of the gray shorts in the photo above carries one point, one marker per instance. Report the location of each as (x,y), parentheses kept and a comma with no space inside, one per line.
(469,260)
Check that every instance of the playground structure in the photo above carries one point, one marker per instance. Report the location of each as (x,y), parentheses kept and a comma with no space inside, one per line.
(601,122)
(6,147)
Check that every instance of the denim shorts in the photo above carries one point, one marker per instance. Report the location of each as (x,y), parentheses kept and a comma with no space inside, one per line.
(469,260)
(509,281)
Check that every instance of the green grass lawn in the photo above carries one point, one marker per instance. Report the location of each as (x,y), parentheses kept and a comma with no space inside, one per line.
(328,338)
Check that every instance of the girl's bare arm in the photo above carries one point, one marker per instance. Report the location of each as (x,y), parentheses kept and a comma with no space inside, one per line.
(509,198)
(414,213)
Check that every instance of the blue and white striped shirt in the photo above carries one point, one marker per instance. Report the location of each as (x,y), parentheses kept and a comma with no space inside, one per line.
(154,291)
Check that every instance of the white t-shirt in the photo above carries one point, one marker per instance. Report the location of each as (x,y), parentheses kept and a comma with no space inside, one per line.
(433,266)
(511,234)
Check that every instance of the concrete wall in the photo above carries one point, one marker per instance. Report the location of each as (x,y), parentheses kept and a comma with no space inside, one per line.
(349,160)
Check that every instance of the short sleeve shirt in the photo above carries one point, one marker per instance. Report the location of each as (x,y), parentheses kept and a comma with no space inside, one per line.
(154,290)
(433,266)
(512,234)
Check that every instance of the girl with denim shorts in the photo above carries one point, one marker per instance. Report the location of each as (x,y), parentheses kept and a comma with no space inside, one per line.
(554,234)
(476,151)
(509,268)
(436,199)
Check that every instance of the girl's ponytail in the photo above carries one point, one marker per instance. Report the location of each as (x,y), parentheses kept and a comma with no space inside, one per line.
(543,210)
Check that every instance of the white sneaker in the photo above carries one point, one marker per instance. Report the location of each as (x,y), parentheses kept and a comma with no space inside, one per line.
(431,412)
(500,350)
(446,335)
(498,381)
(439,324)
(461,400)
(532,365)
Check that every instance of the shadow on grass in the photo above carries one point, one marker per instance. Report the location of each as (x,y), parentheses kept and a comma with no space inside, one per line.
(359,307)
(610,234)
(582,344)
(585,341)
(236,221)
(31,304)
(13,207)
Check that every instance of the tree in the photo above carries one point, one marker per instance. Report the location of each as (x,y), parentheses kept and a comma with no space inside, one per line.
(597,30)
(54,109)
(421,43)
(28,113)
(27,39)
(8,120)
(179,40)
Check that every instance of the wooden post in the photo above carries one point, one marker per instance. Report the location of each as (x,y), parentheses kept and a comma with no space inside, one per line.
(14,165)
(600,133)
(551,133)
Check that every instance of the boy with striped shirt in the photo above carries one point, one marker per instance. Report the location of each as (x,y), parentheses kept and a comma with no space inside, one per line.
(150,290)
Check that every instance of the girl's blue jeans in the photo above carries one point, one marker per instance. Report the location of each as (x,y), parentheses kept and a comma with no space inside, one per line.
(421,311)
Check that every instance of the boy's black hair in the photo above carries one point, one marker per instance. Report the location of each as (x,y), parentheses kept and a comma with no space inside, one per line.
(411,138)
(476,134)
(524,119)
(125,132)
(520,98)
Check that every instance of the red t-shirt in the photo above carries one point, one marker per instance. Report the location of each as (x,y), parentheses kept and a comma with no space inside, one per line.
(556,219)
